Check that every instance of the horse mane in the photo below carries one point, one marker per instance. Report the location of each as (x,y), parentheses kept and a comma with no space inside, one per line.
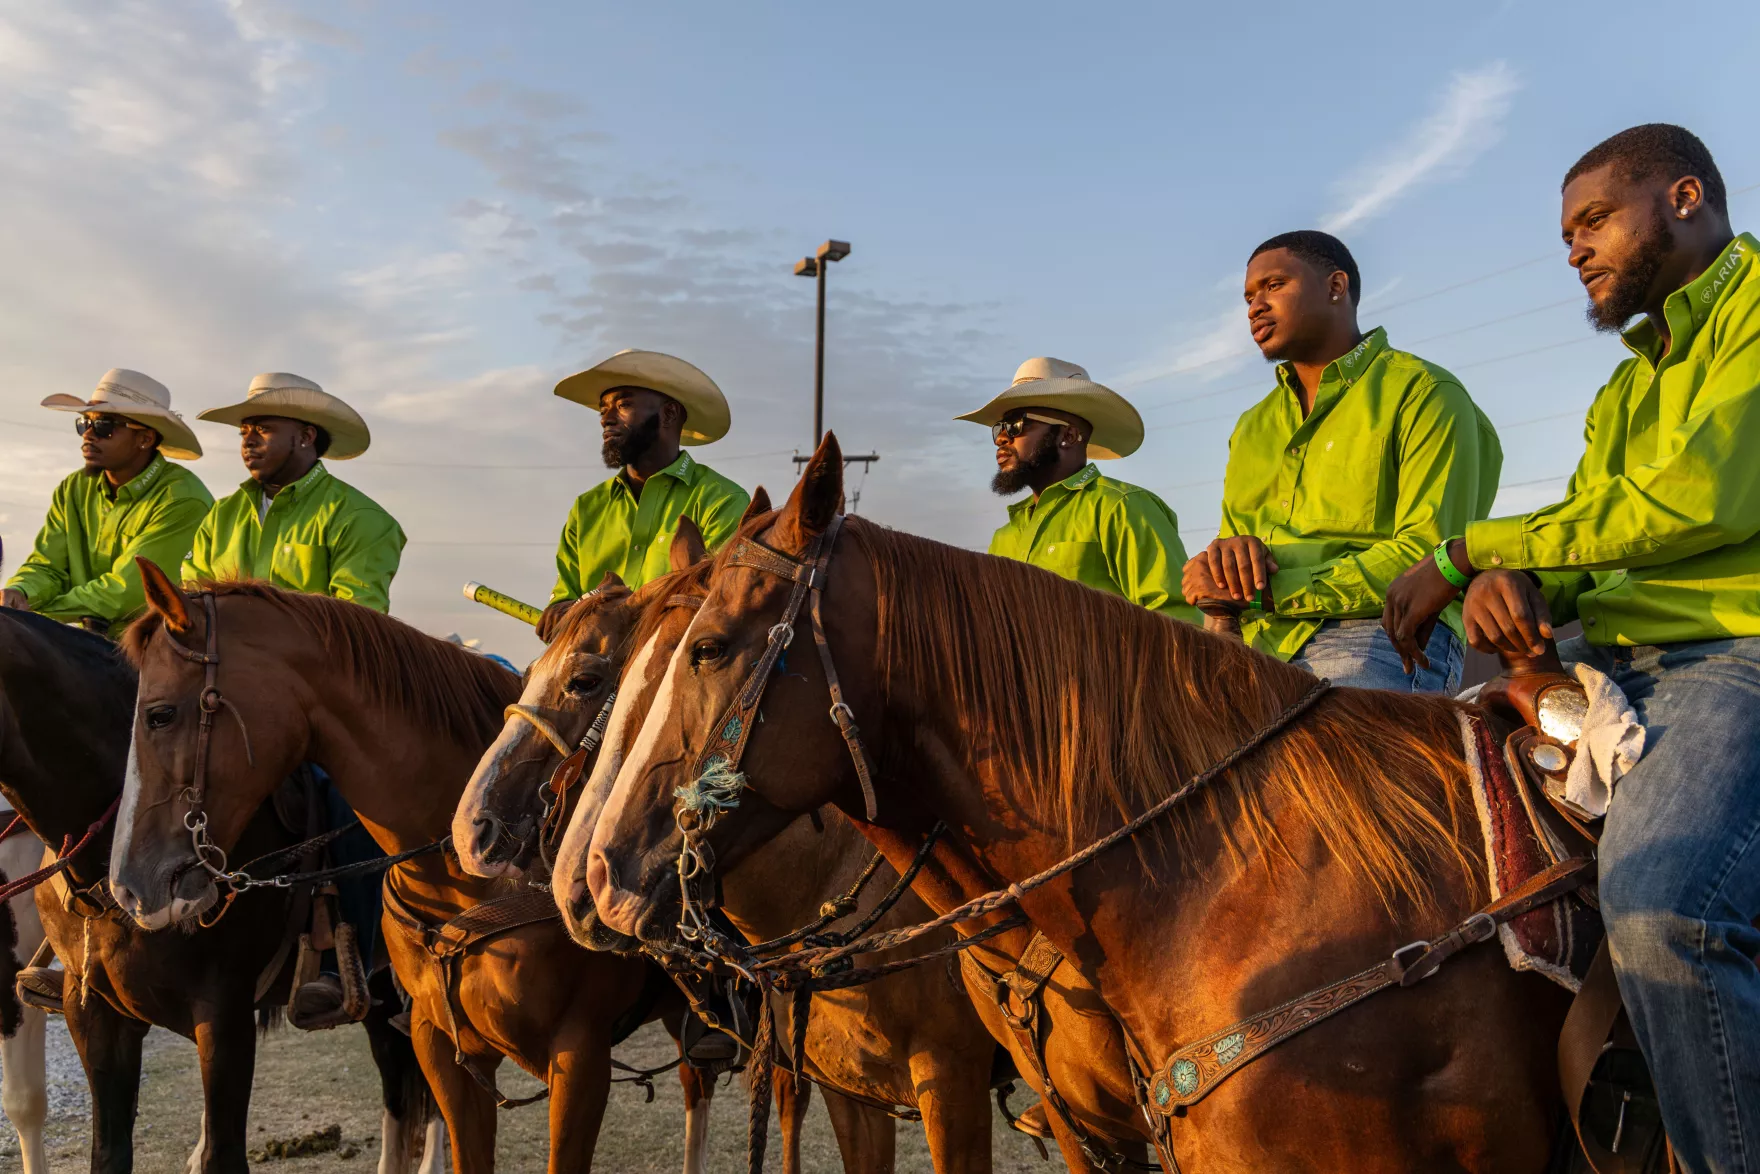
(434,682)
(1118,706)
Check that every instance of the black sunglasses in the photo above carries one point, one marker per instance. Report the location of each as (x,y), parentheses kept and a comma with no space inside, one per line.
(1011,428)
(103,428)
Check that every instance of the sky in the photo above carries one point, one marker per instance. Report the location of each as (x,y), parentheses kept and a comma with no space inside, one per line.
(436,210)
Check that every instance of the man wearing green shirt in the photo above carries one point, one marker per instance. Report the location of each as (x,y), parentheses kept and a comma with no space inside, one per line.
(292,523)
(1102,533)
(296,526)
(127,502)
(649,404)
(1656,549)
(1359,460)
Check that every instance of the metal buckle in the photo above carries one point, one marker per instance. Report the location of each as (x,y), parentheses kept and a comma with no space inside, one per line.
(849,715)
(787,636)
(1413,961)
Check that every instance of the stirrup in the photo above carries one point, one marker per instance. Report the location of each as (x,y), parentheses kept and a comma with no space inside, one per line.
(41,986)
(352,979)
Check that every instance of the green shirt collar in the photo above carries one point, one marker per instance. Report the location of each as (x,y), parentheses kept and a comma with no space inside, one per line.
(142,481)
(314,477)
(682,469)
(1074,483)
(1342,371)
(1690,306)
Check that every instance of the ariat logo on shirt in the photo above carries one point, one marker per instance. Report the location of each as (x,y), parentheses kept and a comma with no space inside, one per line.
(1737,254)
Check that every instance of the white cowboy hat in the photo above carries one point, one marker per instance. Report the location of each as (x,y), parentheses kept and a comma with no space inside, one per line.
(1053,383)
(706,416)
(140,398)
(276,393)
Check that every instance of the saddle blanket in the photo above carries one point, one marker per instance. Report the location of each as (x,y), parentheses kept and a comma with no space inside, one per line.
(1557,940)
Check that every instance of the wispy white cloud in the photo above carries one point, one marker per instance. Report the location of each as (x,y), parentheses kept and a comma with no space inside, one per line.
(1468,120)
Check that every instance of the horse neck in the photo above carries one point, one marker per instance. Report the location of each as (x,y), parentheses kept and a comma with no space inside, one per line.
(781,886)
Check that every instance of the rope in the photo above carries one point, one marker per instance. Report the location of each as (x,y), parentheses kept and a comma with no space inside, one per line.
(64,858)
(763,1070)
(991,902)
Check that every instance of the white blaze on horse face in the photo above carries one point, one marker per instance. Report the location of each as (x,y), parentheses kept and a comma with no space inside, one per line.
(618,908)
(122,836)
(515,737)
(636,687)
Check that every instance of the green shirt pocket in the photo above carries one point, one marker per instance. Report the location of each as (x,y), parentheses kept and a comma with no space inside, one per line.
(1341,483)
(1085,562)
(302,566)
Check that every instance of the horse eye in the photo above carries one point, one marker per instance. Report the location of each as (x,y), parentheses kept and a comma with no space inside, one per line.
(584,684)
(705,651)
(160,716)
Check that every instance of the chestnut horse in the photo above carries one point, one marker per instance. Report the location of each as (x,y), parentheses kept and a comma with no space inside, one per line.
(66,704)
(902,1041)
(1065,712)
(398,719)
(766,898)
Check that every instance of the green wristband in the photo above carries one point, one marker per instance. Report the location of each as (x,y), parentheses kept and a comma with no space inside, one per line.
(1446,565)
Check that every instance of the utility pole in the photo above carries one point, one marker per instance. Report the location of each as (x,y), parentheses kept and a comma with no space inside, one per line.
(815,267)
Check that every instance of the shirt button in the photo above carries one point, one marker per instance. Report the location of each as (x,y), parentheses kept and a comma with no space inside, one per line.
(1572,556)
(1497,560)
(1284,504)
(1590,621)
(1328,446)
(1052,549)
(287,550)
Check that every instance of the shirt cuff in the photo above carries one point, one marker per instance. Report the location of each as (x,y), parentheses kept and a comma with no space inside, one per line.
(1495,542)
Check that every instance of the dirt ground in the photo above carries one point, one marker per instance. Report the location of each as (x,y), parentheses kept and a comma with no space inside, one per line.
(309,1082)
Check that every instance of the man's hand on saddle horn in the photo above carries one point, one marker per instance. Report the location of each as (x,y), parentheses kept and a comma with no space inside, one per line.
(1506,615)
(1224,578)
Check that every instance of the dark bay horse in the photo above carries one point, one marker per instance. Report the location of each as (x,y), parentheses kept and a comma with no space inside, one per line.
(770,893)
(1066,712)
(66,700)
(397,719)
(910,1040)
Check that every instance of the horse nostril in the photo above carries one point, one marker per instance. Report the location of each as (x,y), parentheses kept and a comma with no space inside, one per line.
(580,901)
(488,830)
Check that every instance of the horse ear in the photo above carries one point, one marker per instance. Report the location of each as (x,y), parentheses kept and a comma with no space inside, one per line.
(688,547)
(816,499)
(164,596)
(760,505)
(610,580)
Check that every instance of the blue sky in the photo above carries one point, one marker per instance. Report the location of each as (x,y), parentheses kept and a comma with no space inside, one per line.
(435,210)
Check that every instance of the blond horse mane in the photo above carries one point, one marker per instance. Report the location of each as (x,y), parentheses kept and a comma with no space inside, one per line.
(1117,706)
(434,682)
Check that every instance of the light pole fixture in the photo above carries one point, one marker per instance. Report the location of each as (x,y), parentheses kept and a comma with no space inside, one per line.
(815,267)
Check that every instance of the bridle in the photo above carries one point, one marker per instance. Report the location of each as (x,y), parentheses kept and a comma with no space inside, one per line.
(717,778)
(208,853)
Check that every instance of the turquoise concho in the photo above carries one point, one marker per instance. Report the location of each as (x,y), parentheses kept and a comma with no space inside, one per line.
(731,731)
(1185,1078)
(1163,1094)
(1229,1047)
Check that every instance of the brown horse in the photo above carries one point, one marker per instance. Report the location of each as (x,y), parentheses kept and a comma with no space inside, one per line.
(900,1042)
(1066,712)
(766,896)
(397,719)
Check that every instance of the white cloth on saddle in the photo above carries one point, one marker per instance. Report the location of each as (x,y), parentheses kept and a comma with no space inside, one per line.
(1610,744)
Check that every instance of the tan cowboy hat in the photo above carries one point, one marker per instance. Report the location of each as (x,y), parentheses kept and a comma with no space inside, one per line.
(276,393)
(706,417)
(1053,383)
(140,398)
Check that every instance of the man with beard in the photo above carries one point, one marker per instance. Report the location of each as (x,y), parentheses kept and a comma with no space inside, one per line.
(294,525)
(127,501)
(1102,533)
(649,404)
(1656,549)
(1359,460)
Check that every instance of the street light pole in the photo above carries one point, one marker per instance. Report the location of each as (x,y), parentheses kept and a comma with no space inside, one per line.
(815,267)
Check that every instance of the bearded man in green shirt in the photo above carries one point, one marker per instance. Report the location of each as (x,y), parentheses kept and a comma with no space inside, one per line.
(296,526)
(1100,532)
(1656,549)
(1360,459)
(649,405)
(127,502)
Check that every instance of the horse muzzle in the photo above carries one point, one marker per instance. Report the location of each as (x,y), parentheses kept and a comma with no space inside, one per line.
(179,895)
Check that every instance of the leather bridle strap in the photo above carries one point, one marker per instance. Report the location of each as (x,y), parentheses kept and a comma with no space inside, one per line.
(196,818)
(841,713)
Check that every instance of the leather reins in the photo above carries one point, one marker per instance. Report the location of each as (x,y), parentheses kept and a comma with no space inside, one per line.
(208,854)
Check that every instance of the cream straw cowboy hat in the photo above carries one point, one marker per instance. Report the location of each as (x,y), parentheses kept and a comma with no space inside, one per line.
(706,417)
(1053,383)
(140,398)
(276,393)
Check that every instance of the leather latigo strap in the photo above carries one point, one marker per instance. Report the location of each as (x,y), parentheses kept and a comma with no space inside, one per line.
(1195,1070)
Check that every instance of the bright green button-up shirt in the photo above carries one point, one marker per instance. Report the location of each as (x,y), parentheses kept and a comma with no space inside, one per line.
(610,529)
(1658,536)
(321,536)
(83,563)
(1104,534)
(1394,457)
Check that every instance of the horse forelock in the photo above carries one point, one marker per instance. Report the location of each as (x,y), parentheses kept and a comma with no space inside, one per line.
(1117,706)
(434,682)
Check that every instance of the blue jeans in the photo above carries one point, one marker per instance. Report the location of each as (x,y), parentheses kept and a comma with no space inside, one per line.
(1680,887)
(1358,653)
(359,899)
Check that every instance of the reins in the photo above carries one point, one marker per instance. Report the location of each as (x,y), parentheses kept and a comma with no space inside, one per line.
(63,858)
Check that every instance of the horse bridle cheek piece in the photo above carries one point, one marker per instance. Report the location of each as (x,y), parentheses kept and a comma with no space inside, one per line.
(208,854)
(716,779)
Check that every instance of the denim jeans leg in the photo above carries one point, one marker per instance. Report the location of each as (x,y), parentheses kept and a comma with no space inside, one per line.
(1680,886)
(1357,653)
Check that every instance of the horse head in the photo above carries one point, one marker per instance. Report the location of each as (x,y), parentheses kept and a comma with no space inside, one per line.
(792,758)
(201,716)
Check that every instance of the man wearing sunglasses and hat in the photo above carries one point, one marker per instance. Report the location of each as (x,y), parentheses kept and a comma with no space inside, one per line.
(1049,426)
(649,405)
(294,525)
(127,501)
